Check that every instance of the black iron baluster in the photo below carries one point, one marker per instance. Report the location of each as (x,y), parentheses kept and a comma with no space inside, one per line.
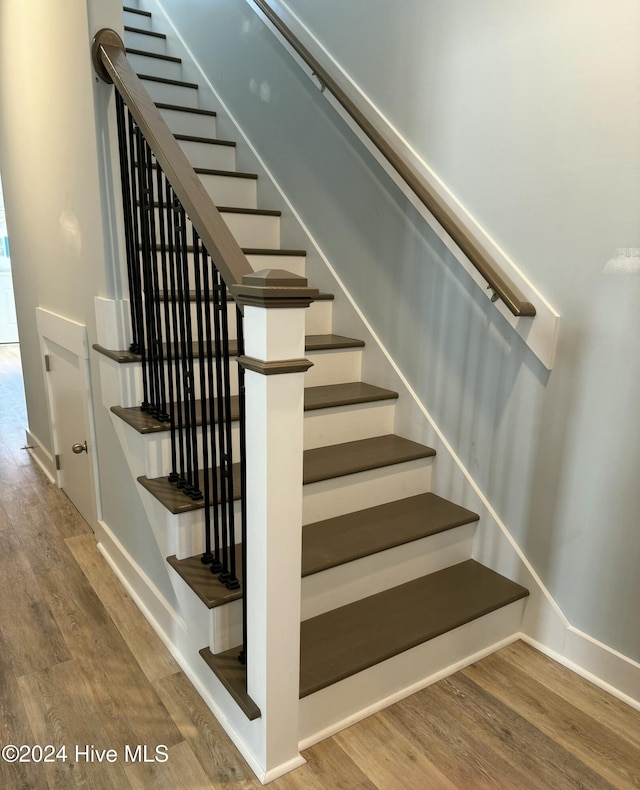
(209,275)
(243,484)
(168,414)
(128,209)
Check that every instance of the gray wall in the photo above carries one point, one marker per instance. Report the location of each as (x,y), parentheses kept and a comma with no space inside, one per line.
(529,113)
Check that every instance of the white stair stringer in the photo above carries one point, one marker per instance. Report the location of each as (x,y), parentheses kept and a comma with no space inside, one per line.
(344,703)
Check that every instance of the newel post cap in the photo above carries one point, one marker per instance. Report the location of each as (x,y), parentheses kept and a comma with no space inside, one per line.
(273,288)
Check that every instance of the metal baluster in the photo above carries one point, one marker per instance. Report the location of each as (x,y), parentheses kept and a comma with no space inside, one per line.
(128,209)
(168,415)
(152,293)
(243,484)
(209,275)
(231,579)
(223,490)
(175,267)
(201,305)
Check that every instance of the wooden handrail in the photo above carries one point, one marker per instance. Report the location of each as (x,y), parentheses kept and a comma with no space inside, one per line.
(450,222)
(111,63)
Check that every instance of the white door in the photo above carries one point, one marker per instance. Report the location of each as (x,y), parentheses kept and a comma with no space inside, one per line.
(69,400)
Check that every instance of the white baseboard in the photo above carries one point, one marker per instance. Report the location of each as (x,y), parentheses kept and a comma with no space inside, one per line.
(599,664)
(41,456)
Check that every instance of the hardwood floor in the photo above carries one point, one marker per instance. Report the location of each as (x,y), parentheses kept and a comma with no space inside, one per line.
(79,665)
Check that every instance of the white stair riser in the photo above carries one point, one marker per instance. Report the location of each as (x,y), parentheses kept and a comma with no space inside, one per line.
(318,317)
(158,451)
(127,384)
(331,709)
(193,612)
(194,313)
(171,94)
(146,43)
(350,425)
(296,264)
(333,367)
(140,21)
(230,191)
(188,529)
(211,156)
(190,123)
(225,629)
(347,423)
(155,66)
(254,230)
(320,500)
(353,581)
(341,495)
(249,230)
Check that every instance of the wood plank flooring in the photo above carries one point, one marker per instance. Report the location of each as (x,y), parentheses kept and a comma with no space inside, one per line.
(80,665)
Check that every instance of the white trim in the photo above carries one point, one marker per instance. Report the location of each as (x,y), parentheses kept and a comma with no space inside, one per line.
(164,620)
(611,665)
(540,333)
(41,456)
(64,331)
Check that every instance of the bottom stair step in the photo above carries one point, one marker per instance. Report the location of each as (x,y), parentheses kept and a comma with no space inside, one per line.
(345,641)
(232,675)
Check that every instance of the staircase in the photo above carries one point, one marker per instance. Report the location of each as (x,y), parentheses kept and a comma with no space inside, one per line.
(391,595)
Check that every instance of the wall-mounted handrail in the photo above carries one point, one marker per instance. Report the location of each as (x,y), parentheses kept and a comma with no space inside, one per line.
(111,63)
(480,258)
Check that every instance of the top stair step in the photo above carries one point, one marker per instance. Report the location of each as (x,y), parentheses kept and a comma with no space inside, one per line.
(345,641)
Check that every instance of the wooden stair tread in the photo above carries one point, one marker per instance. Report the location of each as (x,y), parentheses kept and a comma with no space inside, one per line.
(168,81)
(345,641)
(130,10)
(174,499)
(191,138)
(312,343)
(145,423)
(207,171)
(328,396)
(338,460)
(321,463)
(328,342)
(182,108)
(233,677)
(157,55)
(152,33)
(323,397)
(205,584)
(335,541)
(274,251)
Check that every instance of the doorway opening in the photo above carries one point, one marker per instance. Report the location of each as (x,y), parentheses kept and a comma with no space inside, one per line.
(8,321)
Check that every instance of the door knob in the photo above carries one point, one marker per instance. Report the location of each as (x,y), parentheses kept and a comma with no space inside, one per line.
(80,448)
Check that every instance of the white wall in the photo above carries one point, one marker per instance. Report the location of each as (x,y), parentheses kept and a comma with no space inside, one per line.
(56,160)
(529,112)
(50,175)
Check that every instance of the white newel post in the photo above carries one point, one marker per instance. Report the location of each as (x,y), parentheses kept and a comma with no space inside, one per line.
(274,303)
